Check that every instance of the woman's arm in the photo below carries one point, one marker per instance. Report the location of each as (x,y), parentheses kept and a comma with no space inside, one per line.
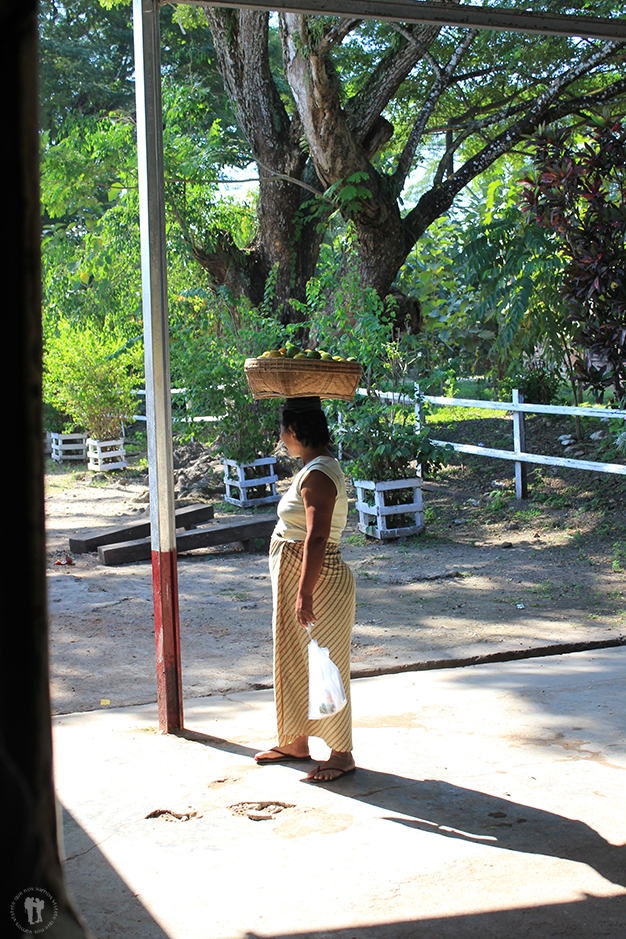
(318,494)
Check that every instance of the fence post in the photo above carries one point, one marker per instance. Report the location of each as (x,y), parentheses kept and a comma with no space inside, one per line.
(419,408)
(340,427)
(519,446)
(420,423)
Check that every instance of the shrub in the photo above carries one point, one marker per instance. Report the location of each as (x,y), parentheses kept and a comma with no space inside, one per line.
(90,374)
(381,443)
(379,436)
(537,380)
(578,193)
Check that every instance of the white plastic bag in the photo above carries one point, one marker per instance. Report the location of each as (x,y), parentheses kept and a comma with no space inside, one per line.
(326,693)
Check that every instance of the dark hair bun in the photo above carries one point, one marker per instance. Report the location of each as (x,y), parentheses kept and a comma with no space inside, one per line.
(310,427)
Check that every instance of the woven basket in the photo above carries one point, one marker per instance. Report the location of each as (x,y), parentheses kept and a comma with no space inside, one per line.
(302,378)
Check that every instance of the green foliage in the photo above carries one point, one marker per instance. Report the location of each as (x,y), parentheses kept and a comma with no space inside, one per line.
(445,340)
(377,69)
(487,281)
(90,374)
(89,195)
(212,337)
(537,379)
(378,435)
(509,271)
(379,440)
(381,443)
(90,245)
(349,194)
(578,192)
(351,321)
(619,557)
(498,502)
(86,62)
(489,285)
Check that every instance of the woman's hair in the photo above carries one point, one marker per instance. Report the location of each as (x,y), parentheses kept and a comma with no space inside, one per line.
(310,427)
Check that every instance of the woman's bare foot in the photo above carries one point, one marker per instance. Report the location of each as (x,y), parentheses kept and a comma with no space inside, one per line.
(297,750)
(336,766)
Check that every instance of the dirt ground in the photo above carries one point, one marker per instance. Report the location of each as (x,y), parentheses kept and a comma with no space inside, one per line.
(489,575)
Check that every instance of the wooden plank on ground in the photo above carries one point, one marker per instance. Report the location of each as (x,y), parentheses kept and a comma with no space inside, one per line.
(186,517)
(208,536)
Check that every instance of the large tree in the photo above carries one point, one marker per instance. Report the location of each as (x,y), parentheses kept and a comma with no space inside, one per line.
(351,109)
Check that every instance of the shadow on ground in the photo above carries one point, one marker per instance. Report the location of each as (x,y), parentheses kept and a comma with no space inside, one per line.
(107,904)
(111,909)
(591,918)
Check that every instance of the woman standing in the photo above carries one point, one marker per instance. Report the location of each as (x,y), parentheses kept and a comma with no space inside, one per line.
(311,585)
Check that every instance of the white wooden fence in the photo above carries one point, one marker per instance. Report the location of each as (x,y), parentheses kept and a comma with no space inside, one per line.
(175,418)
(518,455)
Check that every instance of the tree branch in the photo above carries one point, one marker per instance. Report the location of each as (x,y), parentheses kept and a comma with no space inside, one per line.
(291,179)
(439,198)
(366,106)
(336,34)
(440,85)
(423,51)
(241,44)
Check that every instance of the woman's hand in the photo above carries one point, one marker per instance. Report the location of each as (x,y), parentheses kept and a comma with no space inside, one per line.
(304,610)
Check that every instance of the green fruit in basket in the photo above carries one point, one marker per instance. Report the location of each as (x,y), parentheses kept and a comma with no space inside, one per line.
(326,356)
(292,352)
(301,355)
(313,354)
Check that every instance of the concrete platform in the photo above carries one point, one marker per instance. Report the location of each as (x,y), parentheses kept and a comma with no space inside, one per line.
(489,802)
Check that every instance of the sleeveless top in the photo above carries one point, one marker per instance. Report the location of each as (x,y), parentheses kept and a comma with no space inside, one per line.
(291,513)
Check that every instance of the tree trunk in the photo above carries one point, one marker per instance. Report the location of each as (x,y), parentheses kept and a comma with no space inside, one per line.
(341,150)
(286,238)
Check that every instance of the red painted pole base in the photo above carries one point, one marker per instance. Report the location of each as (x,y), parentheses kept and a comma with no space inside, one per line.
(167,637)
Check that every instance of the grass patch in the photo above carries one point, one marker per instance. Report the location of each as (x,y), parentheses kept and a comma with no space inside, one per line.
(529,514)
(359,540)
(618,559)
(498,503)
(445,414)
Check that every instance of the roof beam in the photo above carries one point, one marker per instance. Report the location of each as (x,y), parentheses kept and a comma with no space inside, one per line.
(443,14)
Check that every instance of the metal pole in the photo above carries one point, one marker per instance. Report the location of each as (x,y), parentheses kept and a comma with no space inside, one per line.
(156,339)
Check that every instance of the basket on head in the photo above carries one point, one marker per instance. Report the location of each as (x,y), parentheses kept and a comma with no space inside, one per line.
(301,378)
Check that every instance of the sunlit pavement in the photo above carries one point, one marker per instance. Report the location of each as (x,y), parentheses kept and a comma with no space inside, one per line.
(489,801)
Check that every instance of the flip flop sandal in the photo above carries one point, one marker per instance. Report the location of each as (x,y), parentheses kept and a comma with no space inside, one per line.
(282,758)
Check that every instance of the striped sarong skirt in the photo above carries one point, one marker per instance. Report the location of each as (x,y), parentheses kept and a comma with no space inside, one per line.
(334,607)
